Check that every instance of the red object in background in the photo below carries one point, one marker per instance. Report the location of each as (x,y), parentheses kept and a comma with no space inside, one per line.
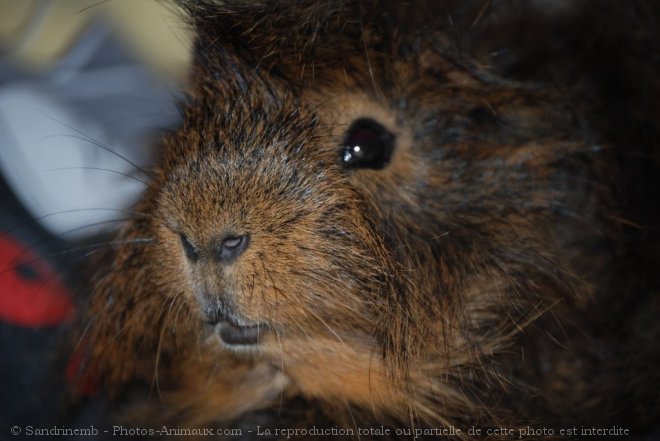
(80,376)
(31,293)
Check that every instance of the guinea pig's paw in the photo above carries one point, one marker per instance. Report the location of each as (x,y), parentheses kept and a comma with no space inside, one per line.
(267,378)
(258,386)
(235,390)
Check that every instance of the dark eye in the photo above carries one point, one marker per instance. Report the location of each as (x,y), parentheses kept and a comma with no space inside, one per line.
(189,249)
(367,145)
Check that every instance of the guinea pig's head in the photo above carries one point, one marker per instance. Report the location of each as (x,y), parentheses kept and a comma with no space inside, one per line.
(361,208)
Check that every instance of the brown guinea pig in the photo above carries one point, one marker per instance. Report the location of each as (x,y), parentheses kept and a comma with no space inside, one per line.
(374,216)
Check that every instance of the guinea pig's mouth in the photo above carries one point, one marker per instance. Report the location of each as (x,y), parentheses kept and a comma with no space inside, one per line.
(232,328)
(233,334)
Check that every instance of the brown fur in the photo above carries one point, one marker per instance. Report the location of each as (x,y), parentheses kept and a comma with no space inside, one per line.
(495,273)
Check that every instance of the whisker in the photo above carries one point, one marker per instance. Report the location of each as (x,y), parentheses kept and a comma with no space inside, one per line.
(100,2)
(323,322)
(176,320)
(95,246)
(160,343)
(84,137)
(279,342)
(480,15)
(127,175)
(82,336)
(75,210)
(366,55)
(48,238)
(350,412)
(125,325)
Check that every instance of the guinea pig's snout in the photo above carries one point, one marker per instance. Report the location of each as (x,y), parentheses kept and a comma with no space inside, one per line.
(212,288)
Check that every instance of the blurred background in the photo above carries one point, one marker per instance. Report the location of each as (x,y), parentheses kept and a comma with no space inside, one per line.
(86,86)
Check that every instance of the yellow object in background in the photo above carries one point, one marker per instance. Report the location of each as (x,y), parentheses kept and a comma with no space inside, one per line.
(37,33)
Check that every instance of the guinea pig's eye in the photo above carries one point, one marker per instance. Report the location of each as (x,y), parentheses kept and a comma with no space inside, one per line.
(189,249)
(367,145)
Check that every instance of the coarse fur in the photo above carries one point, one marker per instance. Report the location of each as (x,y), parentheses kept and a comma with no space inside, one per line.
(500,271)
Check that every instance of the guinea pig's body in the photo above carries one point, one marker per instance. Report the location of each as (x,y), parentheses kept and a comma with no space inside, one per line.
(359,224)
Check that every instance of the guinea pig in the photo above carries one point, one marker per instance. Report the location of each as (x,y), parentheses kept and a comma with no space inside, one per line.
(429,218)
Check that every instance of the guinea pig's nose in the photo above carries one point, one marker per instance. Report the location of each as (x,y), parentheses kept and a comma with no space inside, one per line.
(230,247)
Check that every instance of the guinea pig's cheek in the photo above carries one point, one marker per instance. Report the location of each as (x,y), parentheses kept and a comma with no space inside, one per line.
(179,272)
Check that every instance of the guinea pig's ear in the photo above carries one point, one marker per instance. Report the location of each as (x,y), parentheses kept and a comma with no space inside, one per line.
(509,39)
(607,49)
(534,41)
(467,41)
